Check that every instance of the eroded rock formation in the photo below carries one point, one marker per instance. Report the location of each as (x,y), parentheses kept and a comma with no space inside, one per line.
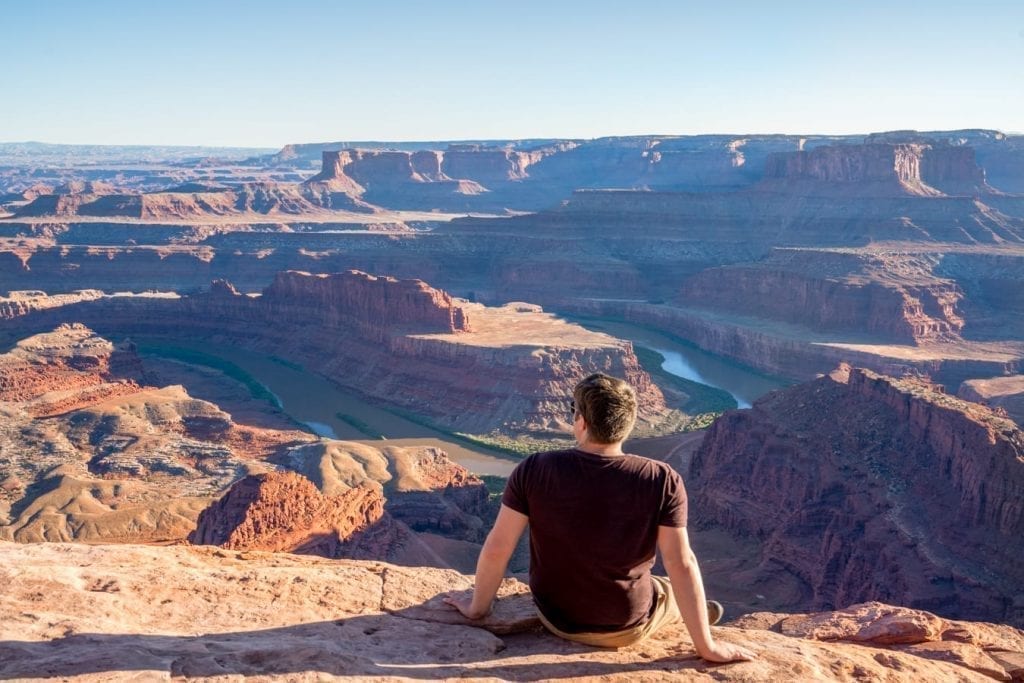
(90,451)
(87,453)
(57,371)
(284,511)
(423,487)
(375,305)
(882,168)
(866,487)
(467,366)
(894,296)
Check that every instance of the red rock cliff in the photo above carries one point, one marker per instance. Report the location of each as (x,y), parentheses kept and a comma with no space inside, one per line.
(71,359)
(827,290)
(954,170)
(284,511)
(909,168)
(364,300)
(396,341)
(865,487)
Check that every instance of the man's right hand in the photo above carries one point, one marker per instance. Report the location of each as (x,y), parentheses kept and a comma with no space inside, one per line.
(720,653)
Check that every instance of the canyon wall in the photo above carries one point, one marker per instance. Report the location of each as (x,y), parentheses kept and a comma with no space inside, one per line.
(376,305)
(401,343)
(247,199)
(865,487)
(882,168)
(795,351)
(892,297)
(780,213)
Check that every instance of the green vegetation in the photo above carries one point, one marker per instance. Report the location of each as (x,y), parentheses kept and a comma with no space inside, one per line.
(495,485)
(360,426)
(518,446)
(702,398)
(467,439)
(192,357)
(702,421)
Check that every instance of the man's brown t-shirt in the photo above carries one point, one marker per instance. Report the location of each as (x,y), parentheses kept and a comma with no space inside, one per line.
(593,532)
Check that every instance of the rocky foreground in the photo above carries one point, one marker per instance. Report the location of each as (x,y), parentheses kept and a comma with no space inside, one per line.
(102,612)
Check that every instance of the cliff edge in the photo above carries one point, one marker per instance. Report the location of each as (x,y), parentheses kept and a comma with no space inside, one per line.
(199,613)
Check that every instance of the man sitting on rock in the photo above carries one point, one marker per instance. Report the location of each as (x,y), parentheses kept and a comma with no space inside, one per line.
(596,515)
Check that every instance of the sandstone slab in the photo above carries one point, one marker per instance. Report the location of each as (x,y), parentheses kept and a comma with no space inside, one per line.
(144,612)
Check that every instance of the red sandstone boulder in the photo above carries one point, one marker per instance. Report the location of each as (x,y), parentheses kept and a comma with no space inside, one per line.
(873,622)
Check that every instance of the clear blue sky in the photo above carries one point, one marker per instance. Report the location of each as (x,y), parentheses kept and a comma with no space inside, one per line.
(264,73)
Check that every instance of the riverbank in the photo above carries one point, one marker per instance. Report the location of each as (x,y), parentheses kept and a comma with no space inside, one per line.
(325,409)
(710,377)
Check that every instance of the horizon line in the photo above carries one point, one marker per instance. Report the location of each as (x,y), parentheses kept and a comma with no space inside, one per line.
(471,140)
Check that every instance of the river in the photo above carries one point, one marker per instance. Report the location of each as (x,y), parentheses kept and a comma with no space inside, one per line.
(685,360)
(332,412)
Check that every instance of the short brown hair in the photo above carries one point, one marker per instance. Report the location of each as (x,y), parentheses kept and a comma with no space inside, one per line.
(608,406)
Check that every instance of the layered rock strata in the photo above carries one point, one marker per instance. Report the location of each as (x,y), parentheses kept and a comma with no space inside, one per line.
(248,199)
(90,452)
(865,487)
(465,366)
(882,168)
(57,371)
(893,296)
(75,611)
(689,250)
(799,352)
(284,511)
(423,487)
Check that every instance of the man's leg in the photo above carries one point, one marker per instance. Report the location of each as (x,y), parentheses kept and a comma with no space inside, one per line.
(665,612)
(715,609)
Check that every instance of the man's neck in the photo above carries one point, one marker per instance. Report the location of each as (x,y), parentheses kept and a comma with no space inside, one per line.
(588,446)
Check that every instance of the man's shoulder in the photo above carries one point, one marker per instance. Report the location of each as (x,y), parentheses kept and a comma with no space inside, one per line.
(542,458)
(651,465)
(547,455)
(628,461)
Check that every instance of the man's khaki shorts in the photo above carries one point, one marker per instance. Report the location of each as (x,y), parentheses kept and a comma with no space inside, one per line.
(665,612)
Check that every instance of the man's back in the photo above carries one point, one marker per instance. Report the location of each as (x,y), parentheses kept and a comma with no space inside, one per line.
(593,532)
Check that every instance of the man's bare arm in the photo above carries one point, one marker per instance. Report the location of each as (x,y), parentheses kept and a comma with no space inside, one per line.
(688,589)
(490,567)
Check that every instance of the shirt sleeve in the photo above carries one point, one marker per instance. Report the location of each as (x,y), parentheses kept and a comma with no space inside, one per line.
(515,489)
(673,503)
